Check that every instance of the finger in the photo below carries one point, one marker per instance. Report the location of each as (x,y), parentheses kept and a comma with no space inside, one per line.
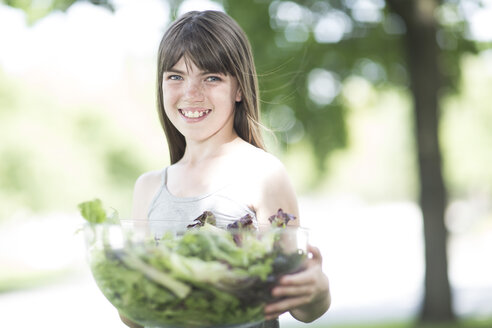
(301,278)
(302,290)
(273,316)
(315,252)
(285,305)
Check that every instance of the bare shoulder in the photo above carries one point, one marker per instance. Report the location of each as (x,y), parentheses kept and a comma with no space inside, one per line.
(267,167)
(145,188)
(149,179)
(260,158)
(275,189)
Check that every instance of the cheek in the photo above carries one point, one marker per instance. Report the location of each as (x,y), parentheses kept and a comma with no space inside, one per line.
(167,102)
(168,98)
(170,90)
(228,96)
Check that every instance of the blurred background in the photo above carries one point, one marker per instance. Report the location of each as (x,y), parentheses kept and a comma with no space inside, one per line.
(381,111)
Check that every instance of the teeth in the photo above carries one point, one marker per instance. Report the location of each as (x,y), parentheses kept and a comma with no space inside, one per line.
(196,114)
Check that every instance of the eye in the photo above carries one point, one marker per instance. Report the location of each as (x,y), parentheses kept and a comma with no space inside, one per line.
(213,78)
(174,77)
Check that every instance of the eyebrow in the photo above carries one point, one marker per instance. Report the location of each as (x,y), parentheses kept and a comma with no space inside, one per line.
(174,70)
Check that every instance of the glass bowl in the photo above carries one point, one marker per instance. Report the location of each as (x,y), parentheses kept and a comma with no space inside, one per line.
(163,274)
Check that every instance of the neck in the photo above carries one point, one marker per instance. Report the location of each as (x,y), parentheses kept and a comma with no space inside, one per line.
(198,151)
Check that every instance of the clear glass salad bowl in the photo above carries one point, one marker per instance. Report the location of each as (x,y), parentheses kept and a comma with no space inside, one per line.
(174,274)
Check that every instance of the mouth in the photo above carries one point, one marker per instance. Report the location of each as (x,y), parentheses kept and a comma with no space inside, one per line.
(194,113)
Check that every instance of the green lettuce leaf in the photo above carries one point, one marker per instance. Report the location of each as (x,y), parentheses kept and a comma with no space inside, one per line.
(93,211)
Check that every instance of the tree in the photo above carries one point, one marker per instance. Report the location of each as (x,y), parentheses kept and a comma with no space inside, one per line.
(422,52)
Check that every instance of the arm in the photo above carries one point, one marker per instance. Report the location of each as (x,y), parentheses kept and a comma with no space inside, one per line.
(145,188)
(276,191)
(306,295)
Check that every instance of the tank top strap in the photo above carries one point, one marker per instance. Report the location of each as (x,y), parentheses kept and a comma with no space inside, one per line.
(159,191)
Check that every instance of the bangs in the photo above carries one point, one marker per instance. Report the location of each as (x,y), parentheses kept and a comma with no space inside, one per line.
(197,44)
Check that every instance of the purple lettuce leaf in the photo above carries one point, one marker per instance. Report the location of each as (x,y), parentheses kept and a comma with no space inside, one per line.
(281,219)
(205,217)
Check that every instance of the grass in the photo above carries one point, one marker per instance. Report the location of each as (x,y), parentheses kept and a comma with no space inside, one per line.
(18,280)
(462,323)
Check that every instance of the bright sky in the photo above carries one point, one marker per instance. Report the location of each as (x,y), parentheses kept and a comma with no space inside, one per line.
(84,42)
(87,40)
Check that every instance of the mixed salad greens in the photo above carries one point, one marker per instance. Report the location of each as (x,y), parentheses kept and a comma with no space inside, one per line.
(207,276)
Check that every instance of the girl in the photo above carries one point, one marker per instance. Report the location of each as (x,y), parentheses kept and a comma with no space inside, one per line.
(207,96)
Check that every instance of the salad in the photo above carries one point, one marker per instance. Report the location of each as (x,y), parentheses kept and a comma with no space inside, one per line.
(205,277)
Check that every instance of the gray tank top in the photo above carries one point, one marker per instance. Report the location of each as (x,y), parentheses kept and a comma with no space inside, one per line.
(223,203)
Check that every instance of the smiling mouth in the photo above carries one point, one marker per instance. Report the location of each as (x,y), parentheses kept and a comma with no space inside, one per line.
(194,113)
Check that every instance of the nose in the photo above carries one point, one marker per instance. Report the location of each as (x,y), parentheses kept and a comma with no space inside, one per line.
(193,90)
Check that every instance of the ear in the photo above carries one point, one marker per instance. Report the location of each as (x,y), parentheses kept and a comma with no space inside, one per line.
(239,95)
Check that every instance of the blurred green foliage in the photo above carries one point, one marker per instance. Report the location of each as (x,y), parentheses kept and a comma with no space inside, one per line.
(53,157)
(306,46)
(36,9)
(466,132)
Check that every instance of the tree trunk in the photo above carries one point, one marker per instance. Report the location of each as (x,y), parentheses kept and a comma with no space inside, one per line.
(425,81)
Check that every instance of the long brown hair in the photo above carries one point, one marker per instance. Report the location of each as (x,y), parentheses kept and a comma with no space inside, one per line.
(214,42)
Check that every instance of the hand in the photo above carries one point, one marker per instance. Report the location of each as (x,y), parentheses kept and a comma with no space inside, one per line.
(305,294)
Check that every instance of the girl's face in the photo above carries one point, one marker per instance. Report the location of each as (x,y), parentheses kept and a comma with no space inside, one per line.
(199,104)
